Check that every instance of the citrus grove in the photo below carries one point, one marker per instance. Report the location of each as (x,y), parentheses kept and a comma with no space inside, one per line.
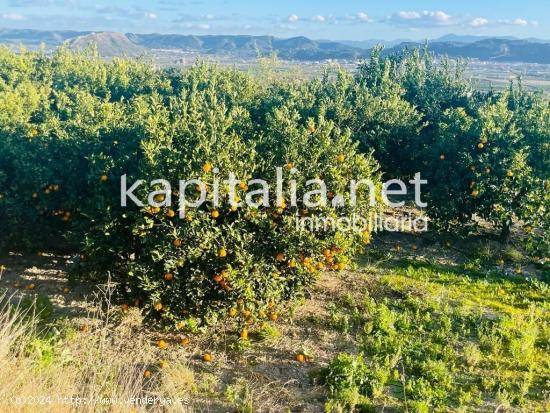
(72,124)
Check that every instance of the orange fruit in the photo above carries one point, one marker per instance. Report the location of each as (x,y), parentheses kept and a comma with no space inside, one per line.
(103,178)
(162,344)
(341,158)
(146,374)
(184,341)
(207,167)
(289,165)
(207,357)
(509,174)
(66,290)
(243,185)
(215,214)
(475,193)
(232,312)
(218,278)
(300,358)
(280,257)
(244,334)
(168,276)
(157,306)
(222,253)
(170,213)
(480,145)
(177,242)
(273,316)
(292,264)
(30,286)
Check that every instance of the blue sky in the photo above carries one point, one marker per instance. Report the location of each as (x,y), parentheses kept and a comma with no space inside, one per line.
(322,19)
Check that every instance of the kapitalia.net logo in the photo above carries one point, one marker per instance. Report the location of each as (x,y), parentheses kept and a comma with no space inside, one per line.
(313,194)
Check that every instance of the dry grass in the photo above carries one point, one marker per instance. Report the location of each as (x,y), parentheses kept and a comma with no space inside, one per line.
(105,359)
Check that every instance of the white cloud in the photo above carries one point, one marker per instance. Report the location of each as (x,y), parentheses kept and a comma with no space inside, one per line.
(409,15)
(151,16)
(479,21)
(12,16)
(519,22)
(423,18)
(364,17)
(318,18)
(204,26)
(293,18)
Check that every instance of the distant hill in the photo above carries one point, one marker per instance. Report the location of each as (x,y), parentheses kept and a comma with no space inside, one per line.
(492,49)
(109,44)
(501,49)
(296,48)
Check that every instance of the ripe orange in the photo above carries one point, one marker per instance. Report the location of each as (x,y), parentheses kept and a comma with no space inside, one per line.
(480,145)
(157,306)
(215,214)
(244,334)
(170,213)
(30,286)
(146,374)
(207,167)
(222,253)
(289,166)
(66,290)
(280,257)
(177,242)
(218,278)
(168,276)
(243,185)
(509,174)
(232,312)
(273,316)
(341,158)
(103,178)
(184,341)
(162,344)
(475,193)
(207,357)
(300,358)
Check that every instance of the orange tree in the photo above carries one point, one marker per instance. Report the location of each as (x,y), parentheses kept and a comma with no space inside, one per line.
(225,259)
(478,167)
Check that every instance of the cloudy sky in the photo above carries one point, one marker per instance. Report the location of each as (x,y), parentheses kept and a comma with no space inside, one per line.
(321,19)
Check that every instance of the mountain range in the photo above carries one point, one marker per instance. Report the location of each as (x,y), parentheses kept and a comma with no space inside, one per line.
(109,44)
